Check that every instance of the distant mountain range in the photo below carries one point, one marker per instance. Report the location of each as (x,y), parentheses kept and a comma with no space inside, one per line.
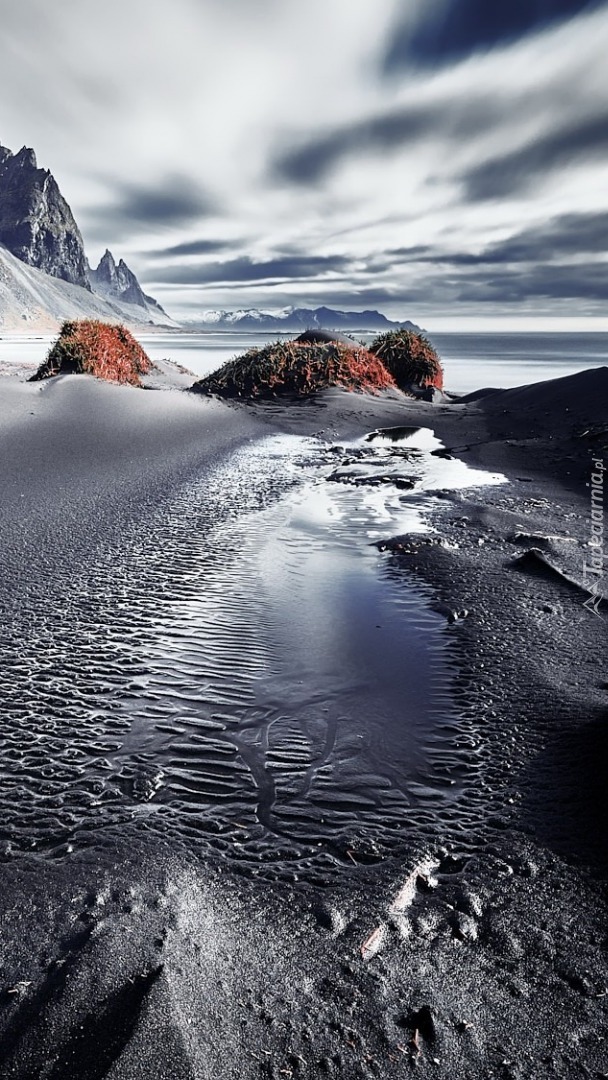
(291,319)
(38,230)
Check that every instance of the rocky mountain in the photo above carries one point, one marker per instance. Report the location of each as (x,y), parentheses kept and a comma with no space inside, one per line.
(38,228)
(291,318)
(118,282)
(36,223)
(33,302)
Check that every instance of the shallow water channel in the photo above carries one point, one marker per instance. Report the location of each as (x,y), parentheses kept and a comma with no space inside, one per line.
(243,675)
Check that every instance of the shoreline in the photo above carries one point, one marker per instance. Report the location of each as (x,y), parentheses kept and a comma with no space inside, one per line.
(492,962)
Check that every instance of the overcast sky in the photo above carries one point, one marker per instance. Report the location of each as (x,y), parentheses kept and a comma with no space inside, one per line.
(436,159)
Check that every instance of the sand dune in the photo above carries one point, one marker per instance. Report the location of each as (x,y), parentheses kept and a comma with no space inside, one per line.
(583,396)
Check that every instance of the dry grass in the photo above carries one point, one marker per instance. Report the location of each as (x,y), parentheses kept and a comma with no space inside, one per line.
(96,348)
(410,358)
(294,369)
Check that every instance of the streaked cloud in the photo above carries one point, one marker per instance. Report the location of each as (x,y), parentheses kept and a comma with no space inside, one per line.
(192,247)
(170,202)
(506,174)
(431,157)
(385,134)
(449,30)
(244,270)
(568,236)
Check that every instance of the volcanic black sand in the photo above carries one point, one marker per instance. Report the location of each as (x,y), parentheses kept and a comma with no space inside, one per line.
(285,792)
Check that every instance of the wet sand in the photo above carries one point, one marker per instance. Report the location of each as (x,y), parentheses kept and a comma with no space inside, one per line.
(227,884)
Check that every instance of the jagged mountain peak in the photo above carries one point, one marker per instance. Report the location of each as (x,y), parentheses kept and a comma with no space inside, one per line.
(116,281)
(36,223)
(26,158)
(106,269)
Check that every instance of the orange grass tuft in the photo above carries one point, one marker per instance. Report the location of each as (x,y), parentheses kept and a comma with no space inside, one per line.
(410,358)
(96,348)
(295,369)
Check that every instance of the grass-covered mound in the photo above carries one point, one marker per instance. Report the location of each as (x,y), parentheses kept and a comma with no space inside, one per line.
(96,348)
(296,369)
(410,358)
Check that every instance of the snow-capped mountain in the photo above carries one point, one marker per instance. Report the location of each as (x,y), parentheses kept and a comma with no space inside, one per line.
(293,318)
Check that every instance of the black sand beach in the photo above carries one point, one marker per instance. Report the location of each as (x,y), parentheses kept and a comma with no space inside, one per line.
(241,838)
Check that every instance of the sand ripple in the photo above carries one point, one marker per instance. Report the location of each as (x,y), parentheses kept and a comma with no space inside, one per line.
(241,676)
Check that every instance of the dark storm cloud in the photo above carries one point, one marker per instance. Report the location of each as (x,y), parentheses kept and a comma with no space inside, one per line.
(344,297)
(172,201)
(246,270)
(349,298)
(193,247)
(453,29)
(569,234)
(463,121)
(512,173)
(412,254)
(565,236)
(312,160)
(540,263)
(579,282)
(573,282)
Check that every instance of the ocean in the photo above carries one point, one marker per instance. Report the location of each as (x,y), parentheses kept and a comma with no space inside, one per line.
(471,361)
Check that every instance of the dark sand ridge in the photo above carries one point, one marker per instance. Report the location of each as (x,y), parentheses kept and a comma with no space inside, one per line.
(146,964)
